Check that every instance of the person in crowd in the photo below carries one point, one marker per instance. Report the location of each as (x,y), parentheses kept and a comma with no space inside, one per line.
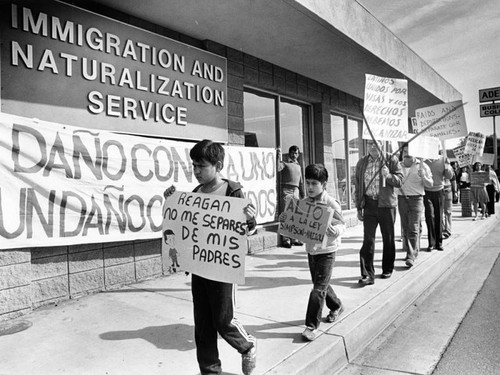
(321,256)
(447,205)
(213,301)
(433,201)
(479,196)
(492,188)
(416,176)
(292,184)
(454,182)
(377,175)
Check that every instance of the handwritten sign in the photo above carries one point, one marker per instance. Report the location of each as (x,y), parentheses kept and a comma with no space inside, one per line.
(463,159)
(305,221)
(386,108)
(424,147)
(209,235)
(452,125)
(479,178)
(485,159)
(475,143)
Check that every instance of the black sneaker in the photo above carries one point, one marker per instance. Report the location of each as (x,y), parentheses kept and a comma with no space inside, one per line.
(334,315)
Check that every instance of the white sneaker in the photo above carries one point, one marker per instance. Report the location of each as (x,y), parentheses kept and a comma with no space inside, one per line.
(310,334)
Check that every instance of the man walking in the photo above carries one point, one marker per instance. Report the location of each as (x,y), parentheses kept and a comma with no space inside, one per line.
(377,174)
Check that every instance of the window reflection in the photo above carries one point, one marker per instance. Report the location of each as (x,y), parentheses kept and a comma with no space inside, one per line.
(345,159)
(260,120)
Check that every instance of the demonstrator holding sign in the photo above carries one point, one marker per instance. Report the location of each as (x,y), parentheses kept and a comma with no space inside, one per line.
(213,300)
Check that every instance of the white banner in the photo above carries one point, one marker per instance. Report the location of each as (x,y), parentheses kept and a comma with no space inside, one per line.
(63,185)
(386,108)
(206,235)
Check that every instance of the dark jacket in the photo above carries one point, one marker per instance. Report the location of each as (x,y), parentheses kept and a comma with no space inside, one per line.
(234,189)
(387,196)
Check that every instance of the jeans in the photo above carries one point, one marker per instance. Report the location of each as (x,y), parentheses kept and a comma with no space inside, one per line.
(214,313)
(447,210)
(286,192)
(372,217)
(320,266)
(411,209)
(433,217)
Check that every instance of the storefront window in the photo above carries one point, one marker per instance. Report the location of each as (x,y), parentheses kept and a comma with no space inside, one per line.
(345,149)
(260,120)
(263,128)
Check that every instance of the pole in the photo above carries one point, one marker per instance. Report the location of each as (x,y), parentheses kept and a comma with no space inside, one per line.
(495,150)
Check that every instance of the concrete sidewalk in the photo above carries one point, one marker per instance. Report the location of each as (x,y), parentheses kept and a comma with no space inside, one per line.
(147,328)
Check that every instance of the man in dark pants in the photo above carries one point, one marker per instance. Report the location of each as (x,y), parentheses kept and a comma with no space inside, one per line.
(434,199)
(377,174)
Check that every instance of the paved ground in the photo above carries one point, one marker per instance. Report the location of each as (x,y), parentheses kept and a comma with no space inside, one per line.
(415,342)
(147,328)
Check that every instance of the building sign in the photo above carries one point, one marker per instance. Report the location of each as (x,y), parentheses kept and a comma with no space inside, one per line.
(488,110)
(64,185)
(443,121)
(488,95)
(63,64)
(385,108)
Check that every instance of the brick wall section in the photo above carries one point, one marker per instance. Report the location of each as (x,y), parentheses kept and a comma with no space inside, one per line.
(30,278)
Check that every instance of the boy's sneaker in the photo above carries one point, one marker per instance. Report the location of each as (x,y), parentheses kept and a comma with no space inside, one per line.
(334,315)
(249,360)
(310,334)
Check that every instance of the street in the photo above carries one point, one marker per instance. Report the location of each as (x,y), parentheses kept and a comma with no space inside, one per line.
(425,338)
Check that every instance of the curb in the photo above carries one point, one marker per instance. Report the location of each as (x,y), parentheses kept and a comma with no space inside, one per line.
(340,344)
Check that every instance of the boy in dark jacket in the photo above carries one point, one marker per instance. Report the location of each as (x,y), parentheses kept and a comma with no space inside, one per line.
(213,300)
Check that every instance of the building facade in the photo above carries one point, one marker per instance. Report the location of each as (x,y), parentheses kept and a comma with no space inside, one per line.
(253,74)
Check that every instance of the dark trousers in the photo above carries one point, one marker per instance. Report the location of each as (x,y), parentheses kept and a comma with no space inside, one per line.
(320,266)
(490,189)
(433,203)
(213,304)
(372,217)
(410,210)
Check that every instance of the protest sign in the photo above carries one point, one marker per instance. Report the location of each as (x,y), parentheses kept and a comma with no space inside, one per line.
(208,235)
(64,185)
(479,178)
(424,147)
(485,158)
(463,159)
(386,108)
(452,125)
(305,221)
(475,143)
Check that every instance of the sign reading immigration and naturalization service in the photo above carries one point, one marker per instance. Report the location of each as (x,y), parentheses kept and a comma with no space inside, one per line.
(64,64)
